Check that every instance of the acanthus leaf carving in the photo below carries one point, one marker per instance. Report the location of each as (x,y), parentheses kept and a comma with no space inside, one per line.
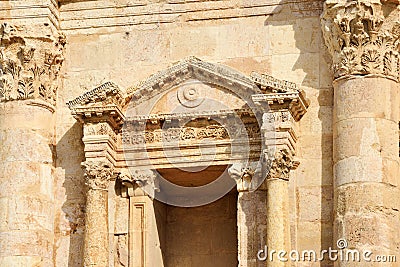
(361,38)
(280,165)
(29,69)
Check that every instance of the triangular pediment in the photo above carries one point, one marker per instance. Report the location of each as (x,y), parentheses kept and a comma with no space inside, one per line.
(193,68)
(215,82)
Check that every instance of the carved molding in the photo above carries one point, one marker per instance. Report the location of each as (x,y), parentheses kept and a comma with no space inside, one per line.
(29,66)
(104,103)
(363,37)
(203,130)
(101,128)
(195,68)
(105,94)
(97,174)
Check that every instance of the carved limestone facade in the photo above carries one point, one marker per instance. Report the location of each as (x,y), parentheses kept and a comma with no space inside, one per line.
(178,133)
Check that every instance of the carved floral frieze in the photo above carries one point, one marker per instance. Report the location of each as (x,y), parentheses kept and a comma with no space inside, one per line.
(212,131)
(101,128)
(363,37)
(29,67)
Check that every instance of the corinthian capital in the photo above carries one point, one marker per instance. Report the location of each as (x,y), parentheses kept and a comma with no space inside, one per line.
(30,62)
(280,165)
(362,37)
(97,174)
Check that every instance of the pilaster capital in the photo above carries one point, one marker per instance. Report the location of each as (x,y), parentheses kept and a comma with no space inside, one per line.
(97,174)
(139,182)
(363,37)
(247,176)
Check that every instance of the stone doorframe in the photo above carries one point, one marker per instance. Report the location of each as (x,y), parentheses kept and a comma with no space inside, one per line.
(102,113)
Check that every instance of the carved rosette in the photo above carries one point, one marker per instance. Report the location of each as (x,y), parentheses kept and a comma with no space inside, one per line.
(97,174)
(29,64)
(280,165)
(363,37)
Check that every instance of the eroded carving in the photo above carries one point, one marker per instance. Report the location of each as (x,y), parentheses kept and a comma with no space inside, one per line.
(101,128)
(147,180)
(97,174)
(280,165)
(28,69)
(105,94)
(247,176)
(361,38)
(122,252)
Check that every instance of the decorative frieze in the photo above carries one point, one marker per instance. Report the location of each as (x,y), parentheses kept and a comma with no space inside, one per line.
(29,67)
(211,131)
(363,37)
(97,174)
(101,128)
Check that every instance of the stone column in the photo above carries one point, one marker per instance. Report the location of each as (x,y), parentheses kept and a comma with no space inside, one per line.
(363,39)
(96,246)
(99,110)
(282,111)
(30,60)
(278,227)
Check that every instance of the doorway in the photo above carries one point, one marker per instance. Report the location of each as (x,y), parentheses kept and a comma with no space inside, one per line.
(203,236)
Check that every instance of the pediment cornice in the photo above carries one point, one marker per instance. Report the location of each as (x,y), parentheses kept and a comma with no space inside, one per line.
(108,101)
(193,68)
